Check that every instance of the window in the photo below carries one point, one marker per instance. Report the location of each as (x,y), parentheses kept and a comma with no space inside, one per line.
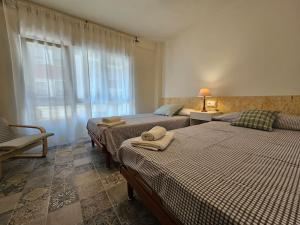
(61,82)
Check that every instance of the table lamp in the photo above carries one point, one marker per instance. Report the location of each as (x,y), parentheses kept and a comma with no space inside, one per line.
(204,92)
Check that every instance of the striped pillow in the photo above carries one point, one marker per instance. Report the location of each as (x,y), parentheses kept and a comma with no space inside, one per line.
(256,119)
(287,122)
(6,133)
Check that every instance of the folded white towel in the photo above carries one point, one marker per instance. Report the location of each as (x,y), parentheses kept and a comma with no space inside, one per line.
(154,134)
(111,119)
(157,145)
(112,124)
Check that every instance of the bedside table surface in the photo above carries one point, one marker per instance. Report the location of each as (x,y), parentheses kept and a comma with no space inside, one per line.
(205,116)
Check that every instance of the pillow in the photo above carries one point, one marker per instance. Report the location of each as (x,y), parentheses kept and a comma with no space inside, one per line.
(287,122)
(256,119)
(228,117)
(186,112)
(168,110)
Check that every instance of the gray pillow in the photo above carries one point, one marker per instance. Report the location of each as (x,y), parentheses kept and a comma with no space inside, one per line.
(168,110)
(287,122)
(228,117)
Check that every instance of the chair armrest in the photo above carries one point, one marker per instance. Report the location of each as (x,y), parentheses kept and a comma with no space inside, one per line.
(41,129)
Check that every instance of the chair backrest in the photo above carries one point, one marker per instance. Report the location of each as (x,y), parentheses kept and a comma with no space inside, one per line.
(6,132)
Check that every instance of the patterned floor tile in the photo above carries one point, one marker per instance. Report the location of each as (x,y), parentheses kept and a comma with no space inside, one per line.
(118,193)
(64,153)
(81,155)
(113,180)
(107,217)
(40,177)
(68,215)
(135,213)
(70,186)
(63,160)
(62,194)
(13,184)
(93,206)
(80,143)
(86,178)
(60,167)
(8,203)
(82,161)
(63,174)
(90,189)
(14,166)
(104,172)
(42,171)
(38,182)
(32,208)
(79,150)
(84,168)
(99,165)
(35,194)
(4,218)
(44,162)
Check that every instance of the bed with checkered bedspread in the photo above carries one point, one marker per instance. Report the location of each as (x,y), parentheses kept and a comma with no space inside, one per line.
(112,137)
(216,173)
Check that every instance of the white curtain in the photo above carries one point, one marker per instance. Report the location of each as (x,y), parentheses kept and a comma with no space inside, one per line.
(66,70)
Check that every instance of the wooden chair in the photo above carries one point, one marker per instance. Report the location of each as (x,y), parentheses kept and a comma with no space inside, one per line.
(13,145)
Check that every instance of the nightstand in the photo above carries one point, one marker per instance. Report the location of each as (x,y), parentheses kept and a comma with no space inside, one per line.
(202,117)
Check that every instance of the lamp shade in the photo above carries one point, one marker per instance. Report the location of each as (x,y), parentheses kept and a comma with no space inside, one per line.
(204,92)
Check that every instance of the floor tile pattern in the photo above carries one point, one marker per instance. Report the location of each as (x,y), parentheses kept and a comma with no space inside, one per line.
(71,186)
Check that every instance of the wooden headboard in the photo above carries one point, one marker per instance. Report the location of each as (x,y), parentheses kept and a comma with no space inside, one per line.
(286,104)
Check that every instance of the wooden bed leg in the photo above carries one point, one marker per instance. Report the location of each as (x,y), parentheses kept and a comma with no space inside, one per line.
(0,169)
(93,143)
(108,160)
(107,156)
(130,192)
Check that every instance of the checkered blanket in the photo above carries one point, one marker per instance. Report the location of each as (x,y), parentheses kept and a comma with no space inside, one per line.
(215,173)
(112,137)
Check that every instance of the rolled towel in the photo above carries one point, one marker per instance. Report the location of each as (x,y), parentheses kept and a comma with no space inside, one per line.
(157,145)
(113,124)
(111,119)
(154,134)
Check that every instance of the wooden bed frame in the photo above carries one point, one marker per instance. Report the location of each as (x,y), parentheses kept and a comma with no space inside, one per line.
(136,182)
(145,192)
(94,141)
(148,196)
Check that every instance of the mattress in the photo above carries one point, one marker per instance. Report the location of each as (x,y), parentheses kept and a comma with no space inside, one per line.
(215,173)
(113,137)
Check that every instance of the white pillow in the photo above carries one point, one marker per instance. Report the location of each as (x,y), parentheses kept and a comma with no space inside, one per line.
(186,112)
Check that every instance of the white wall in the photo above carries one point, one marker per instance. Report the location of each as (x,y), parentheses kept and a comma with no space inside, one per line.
(148,76)
(249,48)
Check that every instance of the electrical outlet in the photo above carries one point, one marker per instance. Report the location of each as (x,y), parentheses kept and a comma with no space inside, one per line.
(211,103)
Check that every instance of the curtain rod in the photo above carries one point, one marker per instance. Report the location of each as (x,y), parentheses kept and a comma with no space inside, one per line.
(79,18)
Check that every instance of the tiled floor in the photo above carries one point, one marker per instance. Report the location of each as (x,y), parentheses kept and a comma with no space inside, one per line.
(69,187)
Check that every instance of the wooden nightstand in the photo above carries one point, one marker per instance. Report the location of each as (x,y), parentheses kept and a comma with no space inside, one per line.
(202,117)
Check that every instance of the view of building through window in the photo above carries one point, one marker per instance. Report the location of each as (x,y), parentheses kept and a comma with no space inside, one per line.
(103,87)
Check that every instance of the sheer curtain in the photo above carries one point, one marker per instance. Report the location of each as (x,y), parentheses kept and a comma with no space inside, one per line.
(66,70)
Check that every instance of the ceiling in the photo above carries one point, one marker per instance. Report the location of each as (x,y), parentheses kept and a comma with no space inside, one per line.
(152,19)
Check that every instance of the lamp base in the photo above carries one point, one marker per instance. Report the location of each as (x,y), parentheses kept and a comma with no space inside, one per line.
(204,105)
